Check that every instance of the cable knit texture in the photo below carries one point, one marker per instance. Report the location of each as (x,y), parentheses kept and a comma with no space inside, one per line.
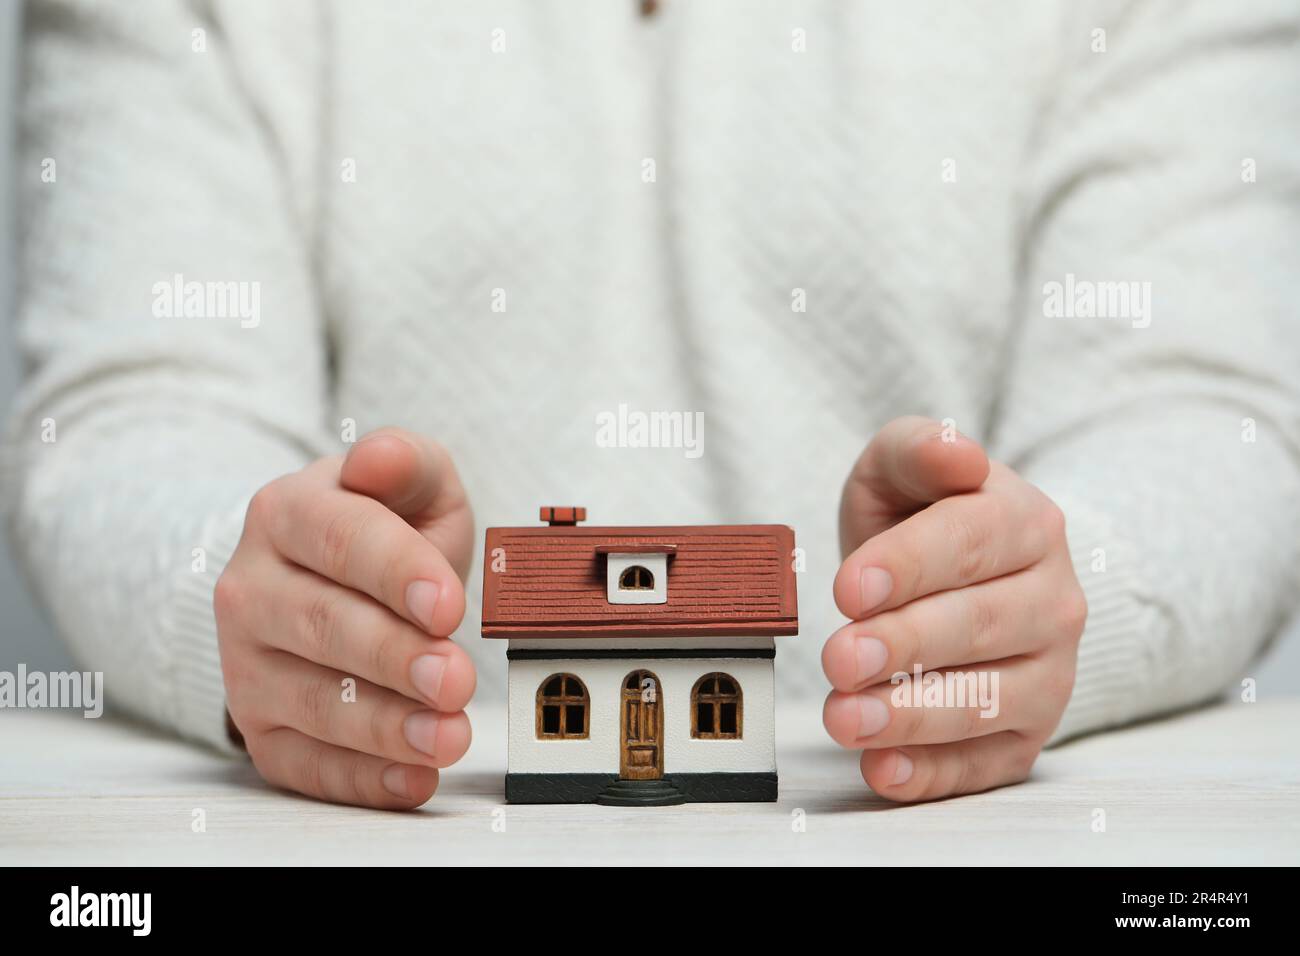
(647,198)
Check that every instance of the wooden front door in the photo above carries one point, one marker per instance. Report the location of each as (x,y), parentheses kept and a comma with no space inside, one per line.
(642,725)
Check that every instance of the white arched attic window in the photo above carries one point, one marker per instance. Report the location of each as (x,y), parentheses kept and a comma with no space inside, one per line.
(637,578)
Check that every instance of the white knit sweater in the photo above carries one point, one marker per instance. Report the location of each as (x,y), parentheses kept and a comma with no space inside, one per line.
(492,222)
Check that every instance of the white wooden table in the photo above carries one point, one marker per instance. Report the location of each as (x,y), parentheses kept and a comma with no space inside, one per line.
(1213,786)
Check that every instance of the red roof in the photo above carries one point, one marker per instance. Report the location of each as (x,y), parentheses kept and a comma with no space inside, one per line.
(723,581)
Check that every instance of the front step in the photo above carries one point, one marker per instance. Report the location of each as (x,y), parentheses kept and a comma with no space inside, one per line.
(641,793)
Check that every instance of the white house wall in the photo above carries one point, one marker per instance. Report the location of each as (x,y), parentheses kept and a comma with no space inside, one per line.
(754,752)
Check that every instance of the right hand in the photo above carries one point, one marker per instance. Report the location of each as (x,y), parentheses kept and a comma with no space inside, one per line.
(352,568)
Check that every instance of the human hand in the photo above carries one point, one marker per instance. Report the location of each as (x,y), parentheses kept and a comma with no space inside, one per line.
(952,563)
(352,568)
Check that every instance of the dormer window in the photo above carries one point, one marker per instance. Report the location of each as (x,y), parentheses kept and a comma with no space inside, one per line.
(638,575)
(636,578)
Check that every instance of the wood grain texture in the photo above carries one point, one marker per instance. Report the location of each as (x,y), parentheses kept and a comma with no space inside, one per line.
(1213,786)
(641,727)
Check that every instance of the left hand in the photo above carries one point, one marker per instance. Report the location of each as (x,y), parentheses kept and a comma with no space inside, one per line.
(953,564)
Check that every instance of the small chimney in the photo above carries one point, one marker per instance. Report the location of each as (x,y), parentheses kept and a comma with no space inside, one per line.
(562,516)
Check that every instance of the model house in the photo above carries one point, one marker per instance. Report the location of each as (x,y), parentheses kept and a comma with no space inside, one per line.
(641,659)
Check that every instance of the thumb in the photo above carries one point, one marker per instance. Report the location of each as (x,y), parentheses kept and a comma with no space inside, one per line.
(415,478)
(910,463)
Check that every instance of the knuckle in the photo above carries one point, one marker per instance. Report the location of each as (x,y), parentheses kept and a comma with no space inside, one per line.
(263,506)
(970,542)
(971,770)
(237,675)
(314,704)
(228,596)
(391,576)
(378,736)
(354,780)
(915,724)
(338,535)
(1052,521)
(1074,612)
(311,772)
(981,626)
(320,624)
(384,656)
(1058,686)
(910,568)
(903,632)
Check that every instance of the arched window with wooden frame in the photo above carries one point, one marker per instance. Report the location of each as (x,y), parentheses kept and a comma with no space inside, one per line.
(717,708)
(563,708)
(636,577)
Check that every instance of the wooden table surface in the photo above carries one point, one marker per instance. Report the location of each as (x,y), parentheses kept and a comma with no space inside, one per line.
(1213,786)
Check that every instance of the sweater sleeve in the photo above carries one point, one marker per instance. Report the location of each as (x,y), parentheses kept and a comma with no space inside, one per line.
(1164,170)
(174,348)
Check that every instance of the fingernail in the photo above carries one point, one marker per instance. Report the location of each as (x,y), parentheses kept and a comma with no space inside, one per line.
(872,655)
(421,730)
(426,675)
(873,716)
(874,586)
(394,781)
(902,768)
(421,599)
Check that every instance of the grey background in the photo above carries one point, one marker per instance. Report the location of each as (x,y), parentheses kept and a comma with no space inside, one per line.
(25,634)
